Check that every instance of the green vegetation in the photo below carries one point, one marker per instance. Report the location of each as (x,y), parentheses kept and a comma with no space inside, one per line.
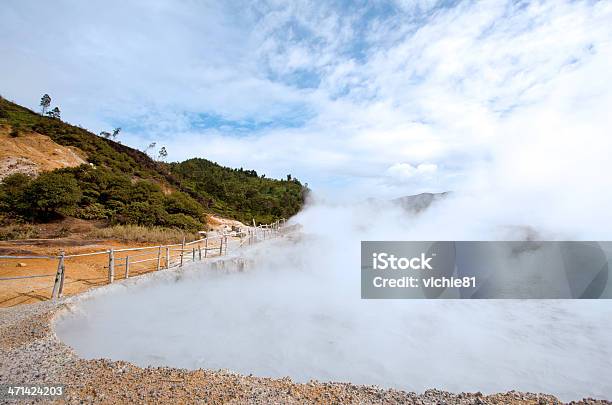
(98,193)
(50,193)
(123,186)
(239,193)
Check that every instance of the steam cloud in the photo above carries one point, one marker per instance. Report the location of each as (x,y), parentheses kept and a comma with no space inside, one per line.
(298,312)
(541,170)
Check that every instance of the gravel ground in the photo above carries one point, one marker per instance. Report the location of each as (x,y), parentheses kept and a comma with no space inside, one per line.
(30,353)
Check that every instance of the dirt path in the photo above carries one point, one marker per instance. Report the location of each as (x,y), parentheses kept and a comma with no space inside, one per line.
(81,274)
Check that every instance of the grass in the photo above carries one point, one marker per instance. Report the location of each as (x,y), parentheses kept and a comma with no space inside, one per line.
(18,231)
(143,234)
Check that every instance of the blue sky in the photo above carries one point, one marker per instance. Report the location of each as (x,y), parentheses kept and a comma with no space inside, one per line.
(381,98)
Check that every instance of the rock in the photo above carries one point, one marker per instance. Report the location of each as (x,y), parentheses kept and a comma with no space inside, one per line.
(21,264)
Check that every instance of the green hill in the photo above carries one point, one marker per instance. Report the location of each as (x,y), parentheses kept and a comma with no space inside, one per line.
(122,185)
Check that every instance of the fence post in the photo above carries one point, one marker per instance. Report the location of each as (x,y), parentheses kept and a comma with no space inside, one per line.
(63,262)
(167,257)
(225,238)
(206,247)
(57,285)
(127,267)
(182,251)
(200,251)
(159,258)
(111,266)
(221,246)
(193,255)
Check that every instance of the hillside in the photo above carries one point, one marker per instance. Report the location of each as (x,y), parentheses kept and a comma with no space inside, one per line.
(85,176)
(227,191)
(32,153)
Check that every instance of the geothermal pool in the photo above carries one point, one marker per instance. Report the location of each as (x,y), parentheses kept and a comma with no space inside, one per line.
(299,314)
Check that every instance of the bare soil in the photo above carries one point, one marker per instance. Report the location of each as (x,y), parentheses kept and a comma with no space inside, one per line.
(81,273)
(32,153)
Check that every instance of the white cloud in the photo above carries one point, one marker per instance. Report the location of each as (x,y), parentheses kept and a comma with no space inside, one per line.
(405,171)
(336,96)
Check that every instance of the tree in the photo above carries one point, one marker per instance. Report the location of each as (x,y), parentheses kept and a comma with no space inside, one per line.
(151,146)
(55,113)
(142,213)
(12,190)
(109,135)
(163,153)
(51,193)
(45,102)
(181,203)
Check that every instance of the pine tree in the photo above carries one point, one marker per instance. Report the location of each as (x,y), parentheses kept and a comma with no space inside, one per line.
(45,102)
(55,113)
(163,153)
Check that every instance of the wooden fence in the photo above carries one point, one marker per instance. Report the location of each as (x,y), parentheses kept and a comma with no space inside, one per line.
(123,263)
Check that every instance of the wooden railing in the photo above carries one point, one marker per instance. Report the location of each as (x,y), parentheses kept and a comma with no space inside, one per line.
(128,261)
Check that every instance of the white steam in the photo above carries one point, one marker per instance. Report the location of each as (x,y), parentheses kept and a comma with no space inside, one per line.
(524,142)
(297,312)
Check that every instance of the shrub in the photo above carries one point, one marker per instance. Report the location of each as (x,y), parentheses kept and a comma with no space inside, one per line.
(93,211)
(183,221)
(146,191)
(181,203)
(142,213)
(12,192)
(52,192)
(61,232)
(18,231)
